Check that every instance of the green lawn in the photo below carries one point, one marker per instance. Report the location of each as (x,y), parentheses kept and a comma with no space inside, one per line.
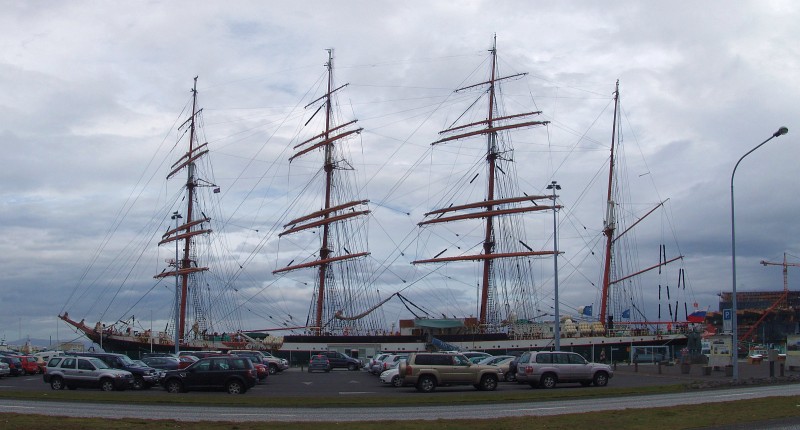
(683,417)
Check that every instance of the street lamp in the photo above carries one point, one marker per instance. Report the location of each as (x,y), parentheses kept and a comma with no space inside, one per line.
(554,186)
(734,324)
(176,216)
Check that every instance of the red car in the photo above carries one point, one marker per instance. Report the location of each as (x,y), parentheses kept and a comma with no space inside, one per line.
(262,371)
(29,365)
(185,361)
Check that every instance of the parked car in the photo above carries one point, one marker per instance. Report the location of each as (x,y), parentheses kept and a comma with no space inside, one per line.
(43,357)
(262,371)
(426,371)
(546,369)
(341,361)
(274,364)
(74,372)
(233,374)
(29,366)
(158,354)
(319,362)
(186,361)
(391,361)
(143,377)
(4,369)
(281,364)
(376,363)
(202,354)
(392,376)
(475,354)
(163,363)
(14,364)
(503,362)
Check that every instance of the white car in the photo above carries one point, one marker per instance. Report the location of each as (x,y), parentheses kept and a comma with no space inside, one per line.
(4,369)
(392,376)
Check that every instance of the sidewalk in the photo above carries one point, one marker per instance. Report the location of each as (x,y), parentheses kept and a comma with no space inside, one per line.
(699,372)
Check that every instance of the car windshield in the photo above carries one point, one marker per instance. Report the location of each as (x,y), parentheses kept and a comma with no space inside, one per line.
(126,360)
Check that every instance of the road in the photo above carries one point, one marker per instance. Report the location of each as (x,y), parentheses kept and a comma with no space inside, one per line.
(485,411)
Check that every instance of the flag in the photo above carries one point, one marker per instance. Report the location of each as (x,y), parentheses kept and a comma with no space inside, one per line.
(585,310)
(696,317)
(626,314)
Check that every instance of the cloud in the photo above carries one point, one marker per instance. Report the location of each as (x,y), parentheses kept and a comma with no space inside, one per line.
(94,95)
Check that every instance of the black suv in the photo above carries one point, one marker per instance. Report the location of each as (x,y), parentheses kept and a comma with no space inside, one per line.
(236,375)
(143,377)
(342,361)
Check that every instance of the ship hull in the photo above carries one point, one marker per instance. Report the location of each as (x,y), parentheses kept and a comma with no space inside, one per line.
(596,348)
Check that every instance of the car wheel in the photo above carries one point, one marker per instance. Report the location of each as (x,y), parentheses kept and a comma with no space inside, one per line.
(601,379)
(426,384)
(273,369)
(106,385)
(138,383)
(352,366)
(397,382)
(510,377)
(174,386)
(57,383)
(548,381)
(488,383)
(235,387)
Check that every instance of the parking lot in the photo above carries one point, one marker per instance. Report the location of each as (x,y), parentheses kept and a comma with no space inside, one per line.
(300,383)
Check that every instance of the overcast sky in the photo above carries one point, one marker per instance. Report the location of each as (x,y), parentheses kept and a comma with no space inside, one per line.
(91,92)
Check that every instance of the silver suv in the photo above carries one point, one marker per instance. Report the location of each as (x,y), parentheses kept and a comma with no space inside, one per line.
(546,369)
(275,364)
(73,372)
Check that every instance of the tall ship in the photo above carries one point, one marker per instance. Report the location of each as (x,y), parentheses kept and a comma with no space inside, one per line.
(478,225)
(485,209)
(201,318)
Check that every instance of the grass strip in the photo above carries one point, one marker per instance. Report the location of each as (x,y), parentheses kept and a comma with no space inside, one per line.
(684,417)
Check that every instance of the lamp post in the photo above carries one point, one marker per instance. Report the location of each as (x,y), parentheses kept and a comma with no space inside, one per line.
(176,216)
(554,186)
(734,323)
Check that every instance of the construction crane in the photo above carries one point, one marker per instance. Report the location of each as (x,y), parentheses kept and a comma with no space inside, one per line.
(782,298)
(785,270)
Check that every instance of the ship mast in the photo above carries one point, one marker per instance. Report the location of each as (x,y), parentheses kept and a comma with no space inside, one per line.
(191,227)
(492,207)
(610,225)
(610,228)
(330,213)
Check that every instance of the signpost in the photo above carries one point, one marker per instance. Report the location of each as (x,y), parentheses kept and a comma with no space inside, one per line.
(727,318)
